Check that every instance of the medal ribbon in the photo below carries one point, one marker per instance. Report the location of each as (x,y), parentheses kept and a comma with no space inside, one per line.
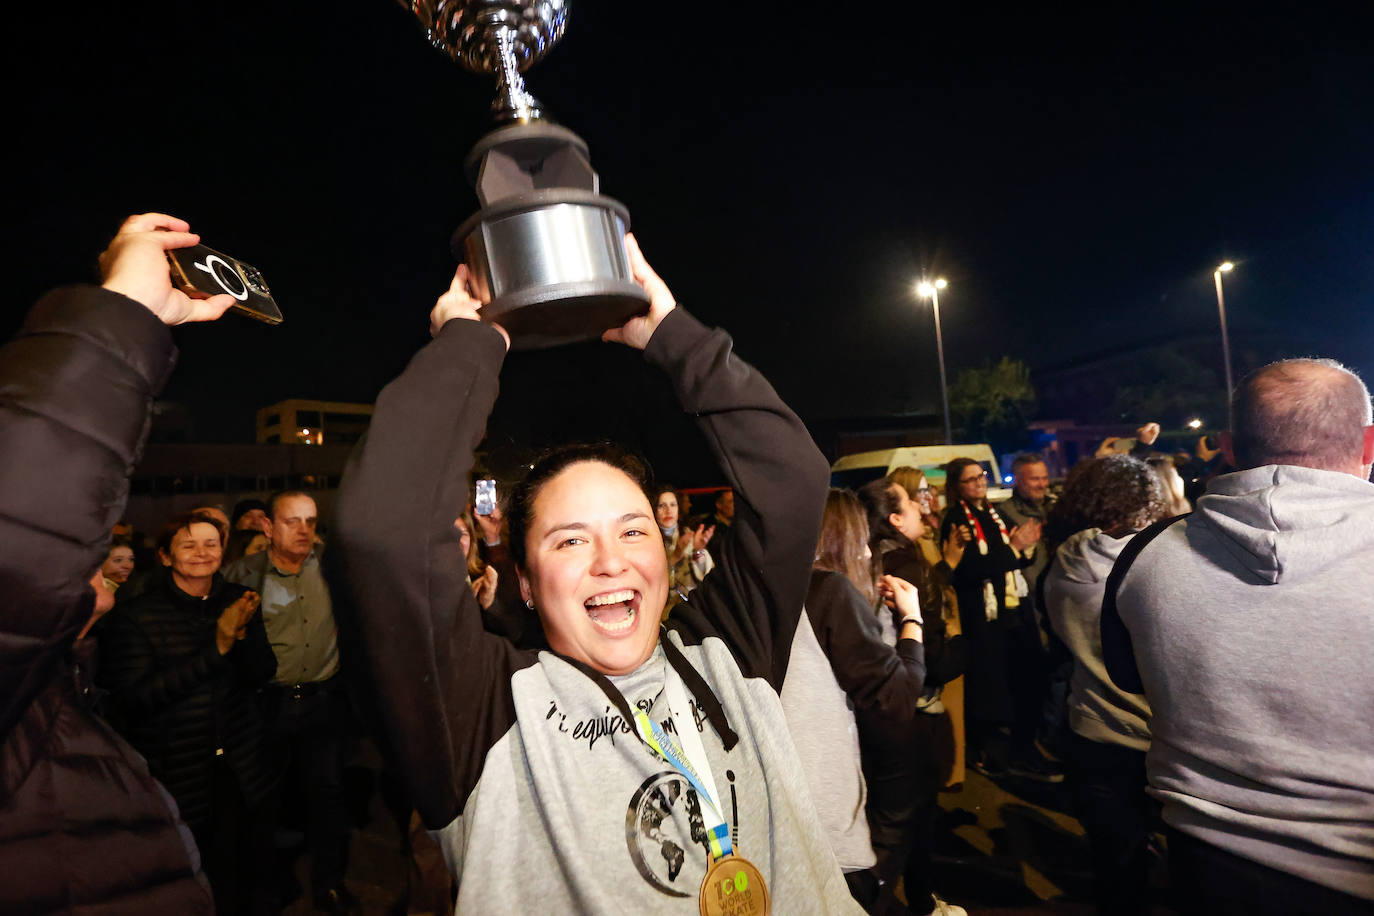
(677,671)
(717,831)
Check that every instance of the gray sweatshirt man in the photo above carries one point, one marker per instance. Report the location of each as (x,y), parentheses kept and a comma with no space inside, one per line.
(1253,627)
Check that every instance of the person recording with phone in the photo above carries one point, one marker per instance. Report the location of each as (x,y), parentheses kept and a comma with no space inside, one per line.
(490,557)
(83,824)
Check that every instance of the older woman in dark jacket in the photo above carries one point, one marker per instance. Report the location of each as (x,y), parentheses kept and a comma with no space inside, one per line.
(183,661)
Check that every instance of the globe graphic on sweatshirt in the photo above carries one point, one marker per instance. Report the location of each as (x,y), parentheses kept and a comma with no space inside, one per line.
(655,846)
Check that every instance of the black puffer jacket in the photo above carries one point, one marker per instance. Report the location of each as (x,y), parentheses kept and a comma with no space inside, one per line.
(83,827)
(178,700)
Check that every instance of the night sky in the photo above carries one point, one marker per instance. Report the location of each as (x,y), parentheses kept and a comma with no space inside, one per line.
(1076,177)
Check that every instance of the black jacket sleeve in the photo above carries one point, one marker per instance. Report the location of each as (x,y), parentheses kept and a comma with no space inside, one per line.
(752,600)
(76,389)
(252,657)
(399,580)
(946,657)
(140,683)
(877,677)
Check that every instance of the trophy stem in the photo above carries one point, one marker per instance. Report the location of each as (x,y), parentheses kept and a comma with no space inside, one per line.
(512,102)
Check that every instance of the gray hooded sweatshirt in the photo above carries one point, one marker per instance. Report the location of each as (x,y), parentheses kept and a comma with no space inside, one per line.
(1098,709)
(1253,627)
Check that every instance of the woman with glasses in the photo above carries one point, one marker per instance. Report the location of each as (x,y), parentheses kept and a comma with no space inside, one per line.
(989,586)
(918,489)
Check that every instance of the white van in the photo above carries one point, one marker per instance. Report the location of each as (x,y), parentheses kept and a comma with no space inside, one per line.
(853,471)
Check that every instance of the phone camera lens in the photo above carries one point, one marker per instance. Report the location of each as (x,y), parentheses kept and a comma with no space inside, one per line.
(254,280)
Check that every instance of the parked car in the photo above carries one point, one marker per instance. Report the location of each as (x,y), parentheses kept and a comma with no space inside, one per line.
(853,471)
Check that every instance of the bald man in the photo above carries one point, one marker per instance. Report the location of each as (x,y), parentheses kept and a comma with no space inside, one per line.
(1252,623)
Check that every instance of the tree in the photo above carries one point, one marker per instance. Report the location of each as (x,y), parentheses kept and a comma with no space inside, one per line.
(1168,387)
(994,404)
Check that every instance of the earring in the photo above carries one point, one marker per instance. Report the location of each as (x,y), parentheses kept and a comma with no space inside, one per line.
(529,604)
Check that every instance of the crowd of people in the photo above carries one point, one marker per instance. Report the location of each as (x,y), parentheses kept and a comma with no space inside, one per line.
(592,700)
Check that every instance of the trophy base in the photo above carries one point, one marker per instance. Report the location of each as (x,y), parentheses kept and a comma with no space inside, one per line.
(551,266)
(566,313)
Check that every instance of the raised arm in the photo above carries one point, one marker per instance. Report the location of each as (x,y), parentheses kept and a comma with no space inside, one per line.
(399,579)
(753,598)
(76,387)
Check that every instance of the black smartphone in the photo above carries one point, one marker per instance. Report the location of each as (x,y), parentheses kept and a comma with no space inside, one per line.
(485,502)
(202,272)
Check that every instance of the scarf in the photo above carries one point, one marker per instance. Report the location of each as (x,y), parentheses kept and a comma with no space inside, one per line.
(1014,586)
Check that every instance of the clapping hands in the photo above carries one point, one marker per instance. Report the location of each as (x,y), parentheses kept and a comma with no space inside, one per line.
(903,600)
(233,621)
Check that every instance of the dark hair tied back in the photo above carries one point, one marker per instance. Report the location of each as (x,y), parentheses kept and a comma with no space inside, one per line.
(520,511)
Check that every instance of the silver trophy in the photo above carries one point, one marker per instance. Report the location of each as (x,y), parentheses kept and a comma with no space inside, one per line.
(547,251)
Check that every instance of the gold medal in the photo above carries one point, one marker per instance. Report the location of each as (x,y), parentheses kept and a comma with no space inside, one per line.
(733,886)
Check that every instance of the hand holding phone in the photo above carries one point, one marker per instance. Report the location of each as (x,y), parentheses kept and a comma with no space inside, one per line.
(135,265)
(201,272)
(485,501)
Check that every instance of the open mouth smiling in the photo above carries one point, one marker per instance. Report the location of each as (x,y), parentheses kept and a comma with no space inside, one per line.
(614,613)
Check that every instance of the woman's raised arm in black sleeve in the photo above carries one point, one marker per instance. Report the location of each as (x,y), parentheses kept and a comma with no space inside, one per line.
(399,579)
(753,598)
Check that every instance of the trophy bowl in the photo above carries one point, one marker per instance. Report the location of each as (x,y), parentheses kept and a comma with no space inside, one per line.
(469,30)
(546,249)
(551,266)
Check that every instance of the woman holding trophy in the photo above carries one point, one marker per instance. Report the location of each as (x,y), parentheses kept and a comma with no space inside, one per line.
(634,767)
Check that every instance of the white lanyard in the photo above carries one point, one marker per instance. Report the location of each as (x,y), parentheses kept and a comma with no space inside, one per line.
(689,742)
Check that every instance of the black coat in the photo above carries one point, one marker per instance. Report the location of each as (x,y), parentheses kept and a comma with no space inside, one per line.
(987,688)
(83,826)
(946,657)
(178,700)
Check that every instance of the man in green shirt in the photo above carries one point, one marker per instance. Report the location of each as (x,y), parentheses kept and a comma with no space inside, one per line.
(307,705)
(1030,501)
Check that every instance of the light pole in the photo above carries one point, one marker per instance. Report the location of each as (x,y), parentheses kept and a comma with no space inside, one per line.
(928,290)
(1225,268)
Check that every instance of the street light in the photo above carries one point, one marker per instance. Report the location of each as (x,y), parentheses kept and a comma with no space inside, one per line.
(1225,267)
(928,290)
